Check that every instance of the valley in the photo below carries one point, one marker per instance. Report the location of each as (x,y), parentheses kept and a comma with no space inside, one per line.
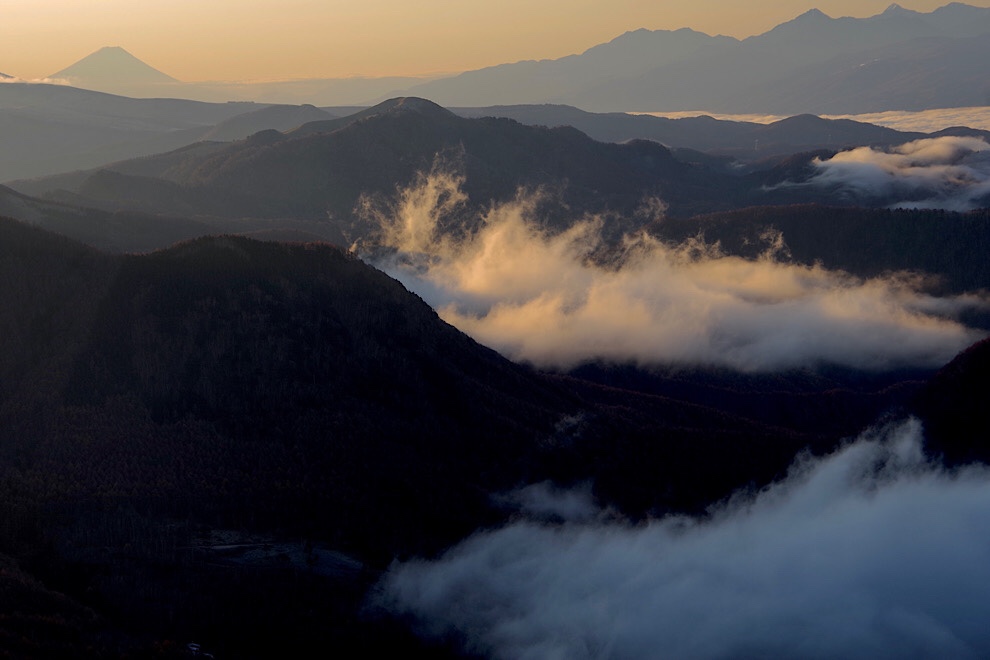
(491,367)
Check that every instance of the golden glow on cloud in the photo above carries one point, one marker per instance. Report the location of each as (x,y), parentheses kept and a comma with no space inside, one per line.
(266,39)
(541,298)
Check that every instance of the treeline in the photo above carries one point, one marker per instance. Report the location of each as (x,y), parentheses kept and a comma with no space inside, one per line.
(948,247)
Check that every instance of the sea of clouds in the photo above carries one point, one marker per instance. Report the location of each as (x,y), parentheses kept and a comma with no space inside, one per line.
(951,173)
(869,552)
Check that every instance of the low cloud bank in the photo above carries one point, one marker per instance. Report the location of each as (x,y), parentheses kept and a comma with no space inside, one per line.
(542,297)
(925,121)
(870,552)
(951,173)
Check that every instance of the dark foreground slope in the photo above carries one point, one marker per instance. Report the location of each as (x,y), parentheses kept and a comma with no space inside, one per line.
(227,441)
(953,406)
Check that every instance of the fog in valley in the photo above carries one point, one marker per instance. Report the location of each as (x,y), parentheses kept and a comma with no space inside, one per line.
(560,299)
(951,173)
(871,551)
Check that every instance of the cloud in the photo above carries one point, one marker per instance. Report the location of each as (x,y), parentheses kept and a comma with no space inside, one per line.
(922,121)
(37,81)
(544,501)
(548,299)
(870,552)
(925,121)
(950,173)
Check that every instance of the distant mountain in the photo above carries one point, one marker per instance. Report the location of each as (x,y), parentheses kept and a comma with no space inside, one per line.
(111,67)
(319,171)
(665,71)
(917,74)
(631,54)
(273,117)
(114,70)
(745,141)
(317,177)
(47,129)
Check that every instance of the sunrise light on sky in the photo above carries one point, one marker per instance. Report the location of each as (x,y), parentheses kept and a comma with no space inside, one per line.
(194,40)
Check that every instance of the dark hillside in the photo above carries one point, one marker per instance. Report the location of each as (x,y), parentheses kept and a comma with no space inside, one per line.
(228,440)
(953,407)
(951,247)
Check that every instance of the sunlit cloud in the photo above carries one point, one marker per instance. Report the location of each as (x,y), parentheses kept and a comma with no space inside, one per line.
(925,121)
(38,81)
(921,121)
(870,552)
(762,118)
(552,300)
(947,173)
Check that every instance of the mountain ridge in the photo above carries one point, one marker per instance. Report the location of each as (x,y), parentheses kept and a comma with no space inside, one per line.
(718,72)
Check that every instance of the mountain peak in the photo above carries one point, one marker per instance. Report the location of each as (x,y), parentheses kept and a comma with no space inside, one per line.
(112,64)
(813,13)
(412,104)
(896,10)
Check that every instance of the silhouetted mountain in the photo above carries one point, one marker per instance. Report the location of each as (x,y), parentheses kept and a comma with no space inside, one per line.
(950,247)
(771,72)
(743,140)
(953,408)
(323,169)
(134,231)
(111,67)
(315,178)
(274,117)
(264,395)
(47,129)
(927,72)
(633,53)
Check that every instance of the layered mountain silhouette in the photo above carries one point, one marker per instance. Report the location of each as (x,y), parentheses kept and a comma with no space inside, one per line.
(321,170)
(898,59)
(299,395)
(312,183)
(209,435)
(114,70)
(744,141)
(771,72)
(47,129)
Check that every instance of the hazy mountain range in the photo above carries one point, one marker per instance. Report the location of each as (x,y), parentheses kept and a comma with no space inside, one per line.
(520,380)
(317,177)
(896,60)
(49,129)
(55,128)
(848,65)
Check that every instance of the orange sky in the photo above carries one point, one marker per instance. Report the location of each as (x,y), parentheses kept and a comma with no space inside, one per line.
(195,40)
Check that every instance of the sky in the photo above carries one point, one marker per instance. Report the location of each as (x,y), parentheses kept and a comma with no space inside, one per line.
(224,40)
